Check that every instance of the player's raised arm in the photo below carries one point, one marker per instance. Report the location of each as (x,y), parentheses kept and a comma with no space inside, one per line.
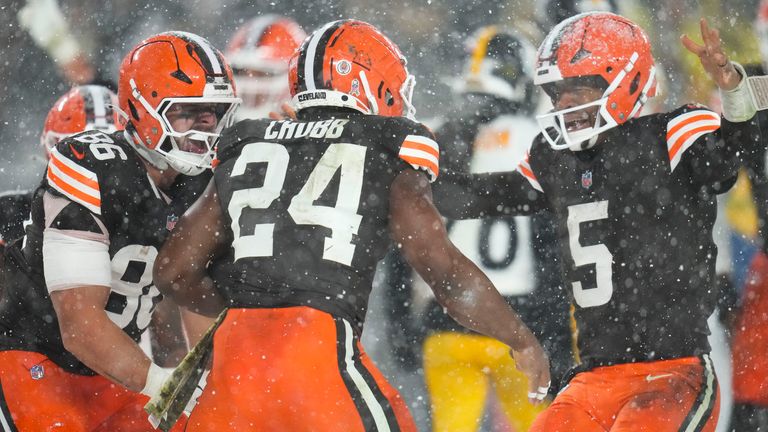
(467,294)
(180,268)
(739,131)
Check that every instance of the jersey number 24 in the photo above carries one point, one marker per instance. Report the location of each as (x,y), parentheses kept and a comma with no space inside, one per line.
(342,219)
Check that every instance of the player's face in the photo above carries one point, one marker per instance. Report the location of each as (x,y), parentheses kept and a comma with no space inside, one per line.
(569,96)
(184,117)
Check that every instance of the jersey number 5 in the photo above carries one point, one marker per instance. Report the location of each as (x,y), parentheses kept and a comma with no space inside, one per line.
(342,219)
(598,254)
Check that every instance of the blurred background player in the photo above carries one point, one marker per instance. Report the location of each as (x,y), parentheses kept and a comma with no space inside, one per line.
(79,292)
(82,108)
(298,281)
(491,132)
(259,53)
(749,218)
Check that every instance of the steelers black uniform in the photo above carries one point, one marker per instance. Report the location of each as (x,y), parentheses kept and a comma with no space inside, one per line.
(96,187)
(307,203)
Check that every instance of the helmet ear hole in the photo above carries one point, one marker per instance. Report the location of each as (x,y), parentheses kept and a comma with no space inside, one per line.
(635,84)
(134,111)
(388,98)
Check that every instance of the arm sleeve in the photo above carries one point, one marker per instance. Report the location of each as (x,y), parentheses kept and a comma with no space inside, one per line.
(71,261)
(472,196)
(75,246)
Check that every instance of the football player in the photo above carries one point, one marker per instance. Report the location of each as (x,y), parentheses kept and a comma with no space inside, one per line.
(259,53)
(491,132)
(294,221)
(634,202)
(80,291)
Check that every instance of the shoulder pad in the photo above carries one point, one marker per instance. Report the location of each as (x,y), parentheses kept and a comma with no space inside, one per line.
(415,144)
(686,125)
(236,134)
(77,161)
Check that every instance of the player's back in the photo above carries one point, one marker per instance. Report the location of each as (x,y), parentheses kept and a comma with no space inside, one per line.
(307,203)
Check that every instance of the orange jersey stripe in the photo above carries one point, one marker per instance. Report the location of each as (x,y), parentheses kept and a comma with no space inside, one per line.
(527,172)
(687,122)
(422,163)
(75,192)
(680,140)
(74,174)
(422,147)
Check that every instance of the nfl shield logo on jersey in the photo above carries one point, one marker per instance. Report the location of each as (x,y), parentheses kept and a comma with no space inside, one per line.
(586,179)
(171,222)
(37,372)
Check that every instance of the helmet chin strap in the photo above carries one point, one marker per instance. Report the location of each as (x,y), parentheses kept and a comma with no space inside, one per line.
(593,140)
(120,113)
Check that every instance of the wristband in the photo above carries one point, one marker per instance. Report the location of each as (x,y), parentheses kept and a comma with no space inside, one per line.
(156,377)
(737,103)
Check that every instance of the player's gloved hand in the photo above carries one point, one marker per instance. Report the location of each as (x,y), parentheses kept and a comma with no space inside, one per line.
(156,377)
(534,363)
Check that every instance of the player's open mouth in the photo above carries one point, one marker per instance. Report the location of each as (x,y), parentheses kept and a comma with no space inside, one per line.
(194,144)
(578,120)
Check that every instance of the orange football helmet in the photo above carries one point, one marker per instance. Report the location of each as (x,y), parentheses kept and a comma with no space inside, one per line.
(88,107)
(259,54)
(598,45)
(162,74)
(351,64)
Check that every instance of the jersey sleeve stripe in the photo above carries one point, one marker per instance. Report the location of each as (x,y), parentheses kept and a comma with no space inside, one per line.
(424,164)
(420,147)
(87,178)
(419,139)
(682,138)
(686,141)
(525,170)
(413,153)
(91,203)
(687,119)
(685,129)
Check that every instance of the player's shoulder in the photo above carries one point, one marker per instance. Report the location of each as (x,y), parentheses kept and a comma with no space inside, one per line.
(87,166)
(690,115)
(252,130)
(402,126)
(411,141)
(539,146)
(241,131)
(93,150)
